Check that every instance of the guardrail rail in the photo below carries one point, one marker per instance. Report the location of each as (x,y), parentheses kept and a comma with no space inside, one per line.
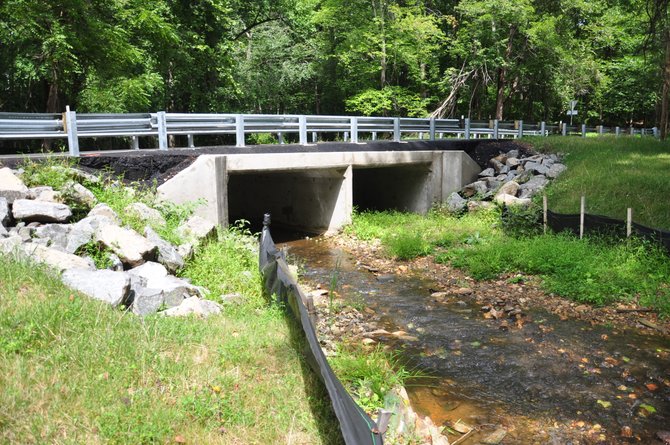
(161,125)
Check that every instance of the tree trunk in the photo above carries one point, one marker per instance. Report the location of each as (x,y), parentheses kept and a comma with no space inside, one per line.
(52,99)
(666,87)
(502,75)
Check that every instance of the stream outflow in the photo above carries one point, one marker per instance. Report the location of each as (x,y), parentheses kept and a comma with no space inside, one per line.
(545,380)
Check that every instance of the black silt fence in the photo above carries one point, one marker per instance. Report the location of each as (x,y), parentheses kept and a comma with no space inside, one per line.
(559,222)
(356,426)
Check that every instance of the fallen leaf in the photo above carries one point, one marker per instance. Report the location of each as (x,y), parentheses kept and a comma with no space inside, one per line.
(648,408)
(651,386)
(626,431)
(604,403)
(179,439)
(622,388)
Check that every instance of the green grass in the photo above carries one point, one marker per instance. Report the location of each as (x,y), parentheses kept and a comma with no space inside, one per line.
(369,375)
(613,174)
(73,370)
(593,270)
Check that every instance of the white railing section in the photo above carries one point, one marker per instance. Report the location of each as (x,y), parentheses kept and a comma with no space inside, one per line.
(160,125)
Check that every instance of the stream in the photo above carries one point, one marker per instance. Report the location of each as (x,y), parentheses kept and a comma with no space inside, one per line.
(548,381)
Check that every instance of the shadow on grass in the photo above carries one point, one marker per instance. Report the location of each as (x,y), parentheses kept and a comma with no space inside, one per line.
(318,398)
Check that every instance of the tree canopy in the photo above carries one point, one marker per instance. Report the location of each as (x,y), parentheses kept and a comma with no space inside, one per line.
(486,59)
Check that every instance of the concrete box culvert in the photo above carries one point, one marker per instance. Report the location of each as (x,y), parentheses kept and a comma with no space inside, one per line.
(316,192)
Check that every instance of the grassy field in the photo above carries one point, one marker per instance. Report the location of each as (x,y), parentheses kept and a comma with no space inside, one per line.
(613,174)
(74,371)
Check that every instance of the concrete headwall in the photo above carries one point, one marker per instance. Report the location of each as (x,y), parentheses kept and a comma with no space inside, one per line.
(317,191)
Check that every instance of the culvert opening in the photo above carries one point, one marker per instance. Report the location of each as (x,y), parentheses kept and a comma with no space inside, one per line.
(404,188)
(308,201)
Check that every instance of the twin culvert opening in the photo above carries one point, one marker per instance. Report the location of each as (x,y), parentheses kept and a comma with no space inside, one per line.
(317,200)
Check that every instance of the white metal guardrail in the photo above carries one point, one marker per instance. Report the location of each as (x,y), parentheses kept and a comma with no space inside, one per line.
(160,125)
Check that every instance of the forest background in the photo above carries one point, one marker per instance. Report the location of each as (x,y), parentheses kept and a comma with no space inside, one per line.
(483,59)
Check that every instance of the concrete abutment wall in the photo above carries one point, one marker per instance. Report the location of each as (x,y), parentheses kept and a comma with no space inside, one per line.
(316,192)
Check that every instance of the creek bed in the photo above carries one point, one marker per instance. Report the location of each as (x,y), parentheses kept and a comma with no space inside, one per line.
(545,380)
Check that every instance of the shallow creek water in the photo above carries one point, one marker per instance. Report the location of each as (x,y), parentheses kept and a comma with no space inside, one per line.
(547,382)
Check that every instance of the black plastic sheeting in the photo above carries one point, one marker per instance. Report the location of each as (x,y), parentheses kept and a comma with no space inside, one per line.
(356,426)
(559,222)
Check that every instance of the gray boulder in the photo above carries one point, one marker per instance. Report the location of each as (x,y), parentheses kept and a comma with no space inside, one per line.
(478,187)
(496,164)
(150,272)
(55,259)
(4,212)
(535,167)
(513,154)
(174,289)
(456,204)
(487,172)
(511,200)
(11,187)
(512,162)
(40,211)
(11,245)
(509,188)
(55,234)
(104,285)
(106,211)
(195,306)
(147,301)
(196,229)
(533,186)
(555,170)
(82,231)
(78,193)
(145,213)
(168,255)
(131,247)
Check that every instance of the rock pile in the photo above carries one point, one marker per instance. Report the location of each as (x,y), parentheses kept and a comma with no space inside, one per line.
(510,179)
(37,225)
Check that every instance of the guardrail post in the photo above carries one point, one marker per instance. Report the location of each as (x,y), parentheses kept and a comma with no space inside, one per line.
(354,129)
(71,128)
(617,131)
(601,130)
(467,128)
(583,130)
(135,142)
(280,138)
(543,128)
(346,136)
(432,128)
(302,128)
(396,129)
(520,133)
(314,137)
(632,131)
(191,144)
(654,132)
(239,130)
(374,135)
(495,129)
(162,130)
(564,131)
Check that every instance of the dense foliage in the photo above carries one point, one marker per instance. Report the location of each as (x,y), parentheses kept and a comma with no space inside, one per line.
(509,59)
